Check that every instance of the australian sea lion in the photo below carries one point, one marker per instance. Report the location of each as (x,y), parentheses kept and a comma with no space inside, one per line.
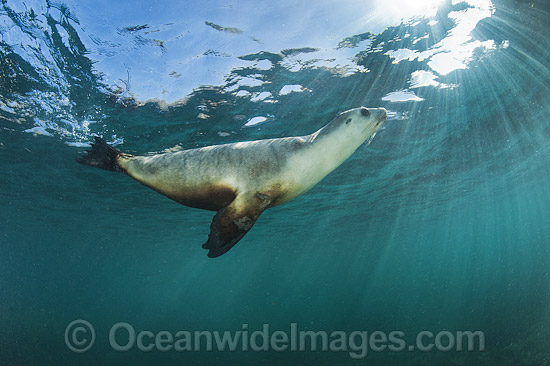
(242,179)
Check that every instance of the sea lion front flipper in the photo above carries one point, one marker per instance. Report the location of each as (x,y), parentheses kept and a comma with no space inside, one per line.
(231,223)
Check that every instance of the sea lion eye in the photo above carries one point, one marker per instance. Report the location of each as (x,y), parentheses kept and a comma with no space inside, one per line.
(365,112)
(348,121)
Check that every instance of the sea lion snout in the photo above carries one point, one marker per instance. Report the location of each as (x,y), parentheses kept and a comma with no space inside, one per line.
(382,115)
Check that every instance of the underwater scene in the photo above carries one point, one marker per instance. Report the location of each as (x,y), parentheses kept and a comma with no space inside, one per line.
(420,239)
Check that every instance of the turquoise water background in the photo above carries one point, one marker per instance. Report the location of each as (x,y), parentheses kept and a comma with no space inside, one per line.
(440,224)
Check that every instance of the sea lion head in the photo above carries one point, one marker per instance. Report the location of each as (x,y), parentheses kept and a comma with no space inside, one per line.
(358,124)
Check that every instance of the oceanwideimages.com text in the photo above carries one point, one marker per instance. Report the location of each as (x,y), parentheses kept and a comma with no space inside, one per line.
(80,337)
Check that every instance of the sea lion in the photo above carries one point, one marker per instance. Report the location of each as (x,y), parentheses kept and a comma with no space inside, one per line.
(240,180)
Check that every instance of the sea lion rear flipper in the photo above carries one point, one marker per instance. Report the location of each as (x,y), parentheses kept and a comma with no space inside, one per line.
(102,156)
(231,223)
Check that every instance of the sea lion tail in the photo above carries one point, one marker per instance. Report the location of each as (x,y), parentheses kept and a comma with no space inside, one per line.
(101,156)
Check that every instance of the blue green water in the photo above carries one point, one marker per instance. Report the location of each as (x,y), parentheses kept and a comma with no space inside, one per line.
(440,224)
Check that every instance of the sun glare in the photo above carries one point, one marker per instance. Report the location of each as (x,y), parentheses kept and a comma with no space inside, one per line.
(404,9)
